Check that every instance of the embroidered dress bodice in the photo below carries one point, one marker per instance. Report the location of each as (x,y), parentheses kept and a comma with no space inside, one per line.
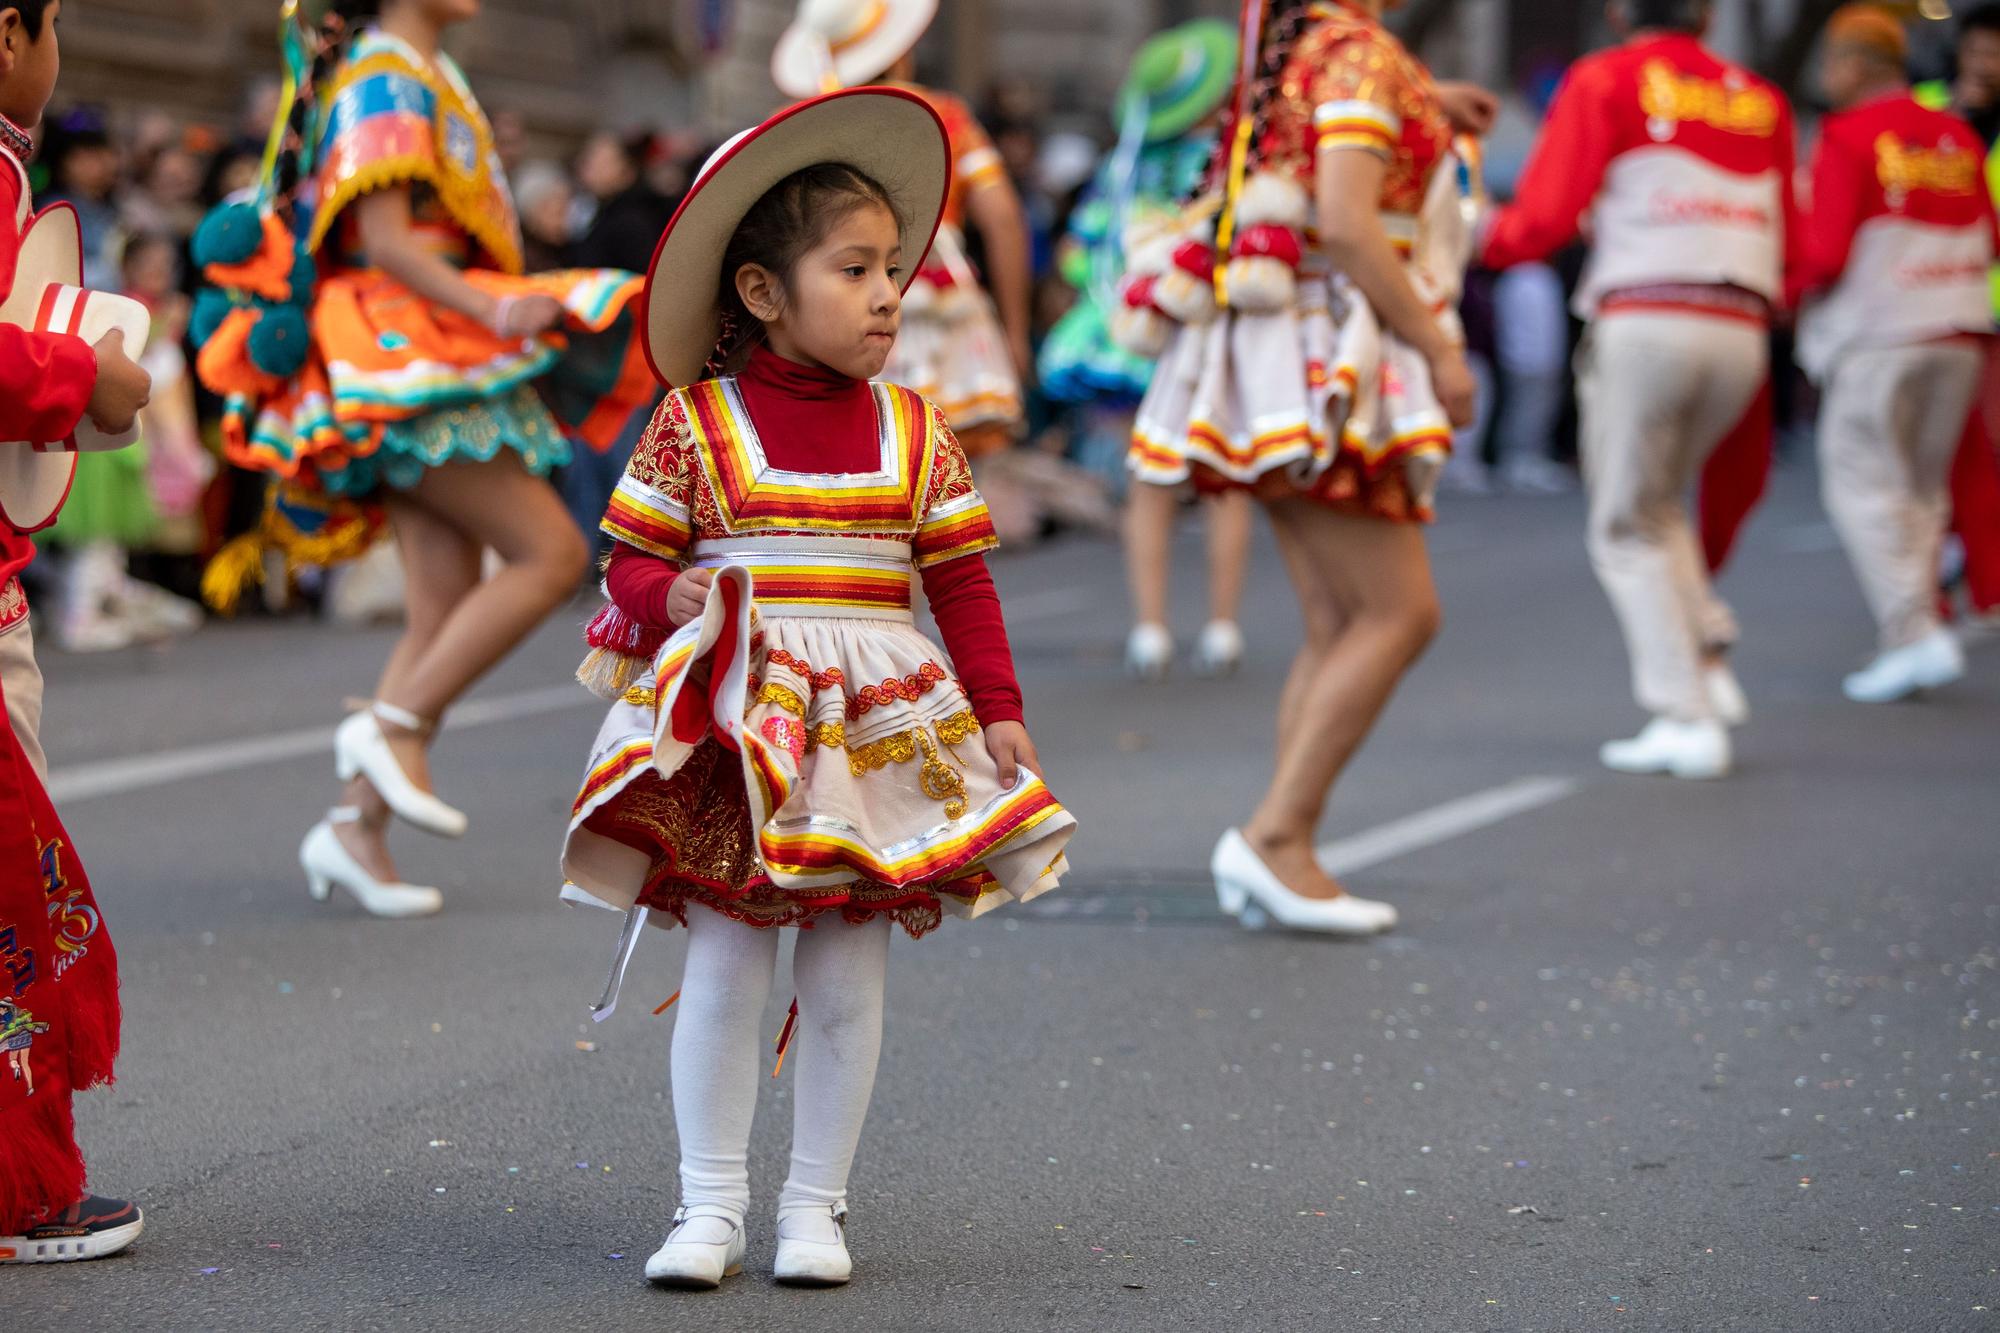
(702,490)
(1348,83)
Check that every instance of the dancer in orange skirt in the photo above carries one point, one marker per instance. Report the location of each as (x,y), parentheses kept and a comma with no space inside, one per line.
(378,347)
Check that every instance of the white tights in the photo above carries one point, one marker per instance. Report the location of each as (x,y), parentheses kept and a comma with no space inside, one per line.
(839,970)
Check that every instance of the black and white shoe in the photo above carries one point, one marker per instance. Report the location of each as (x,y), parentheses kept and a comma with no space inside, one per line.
(93,1228)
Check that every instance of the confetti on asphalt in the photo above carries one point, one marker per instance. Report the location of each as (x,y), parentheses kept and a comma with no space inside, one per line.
(207,1271)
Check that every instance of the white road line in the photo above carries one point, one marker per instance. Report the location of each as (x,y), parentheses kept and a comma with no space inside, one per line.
(113,777)
(1442,823)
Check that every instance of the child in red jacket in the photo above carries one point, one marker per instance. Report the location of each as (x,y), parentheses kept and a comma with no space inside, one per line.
(58,974)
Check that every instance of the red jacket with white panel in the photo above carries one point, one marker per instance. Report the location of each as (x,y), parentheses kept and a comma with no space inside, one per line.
(1898,235)
(1683,164)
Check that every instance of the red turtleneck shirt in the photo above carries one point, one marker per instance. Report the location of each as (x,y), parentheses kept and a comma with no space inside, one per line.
(811,419)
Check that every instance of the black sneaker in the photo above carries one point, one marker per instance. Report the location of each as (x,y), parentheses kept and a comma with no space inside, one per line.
(90,1229)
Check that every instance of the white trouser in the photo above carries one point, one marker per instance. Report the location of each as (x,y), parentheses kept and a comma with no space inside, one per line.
(1657,391)
(1889,425)
(21,682)
(839,970)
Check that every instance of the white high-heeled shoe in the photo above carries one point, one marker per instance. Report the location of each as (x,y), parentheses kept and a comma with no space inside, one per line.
(360,748)
(701,1249)
(327,863)
(812,1248)
(1149,652)
(1219,650)
(1244,883)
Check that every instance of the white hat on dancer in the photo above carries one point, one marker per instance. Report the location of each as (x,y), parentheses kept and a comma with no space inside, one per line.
(840,43)
(48,297)
(888,135)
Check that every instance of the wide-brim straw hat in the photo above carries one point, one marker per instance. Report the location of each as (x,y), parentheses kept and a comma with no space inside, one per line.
(840,43)
(890,136)
(1180,78)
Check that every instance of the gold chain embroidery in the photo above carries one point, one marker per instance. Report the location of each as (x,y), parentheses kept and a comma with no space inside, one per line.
(940,781)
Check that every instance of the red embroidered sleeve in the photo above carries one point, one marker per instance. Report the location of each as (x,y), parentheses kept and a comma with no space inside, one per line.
(652,506)
(955,522)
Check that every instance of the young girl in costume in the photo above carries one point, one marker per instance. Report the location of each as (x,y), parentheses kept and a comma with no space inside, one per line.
(377,348)
(1326,383)
(1102,352)
(953,349)
(786,749)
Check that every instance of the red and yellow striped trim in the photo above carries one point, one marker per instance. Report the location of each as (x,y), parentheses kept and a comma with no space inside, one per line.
(613,772)
(642,517)
(955,528)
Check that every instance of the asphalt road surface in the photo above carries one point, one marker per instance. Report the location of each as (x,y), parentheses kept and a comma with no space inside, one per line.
(1643,1055)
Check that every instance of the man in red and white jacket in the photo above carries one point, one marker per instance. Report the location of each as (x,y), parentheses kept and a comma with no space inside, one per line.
(1894,260)
(1682,164)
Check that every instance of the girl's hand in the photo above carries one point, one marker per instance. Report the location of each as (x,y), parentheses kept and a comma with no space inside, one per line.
(1008,744)
(123,386)
(688,595)
(1457,392)
(525,316)
(1469,107)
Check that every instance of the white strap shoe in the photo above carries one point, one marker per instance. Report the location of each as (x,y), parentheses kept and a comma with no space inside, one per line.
(812,1248)
(360,748)
(1932,661)
(1243,884)
(1697,750)
(701,1249)
(327,863)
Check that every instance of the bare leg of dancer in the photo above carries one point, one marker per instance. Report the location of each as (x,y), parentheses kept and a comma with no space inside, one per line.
(1149,540)
(497,504)
(1230,516)
(1371,583)
(440,568)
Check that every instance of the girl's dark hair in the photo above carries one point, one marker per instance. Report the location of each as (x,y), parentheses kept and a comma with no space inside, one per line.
(794,215)
(1667,15)
(1284,20)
